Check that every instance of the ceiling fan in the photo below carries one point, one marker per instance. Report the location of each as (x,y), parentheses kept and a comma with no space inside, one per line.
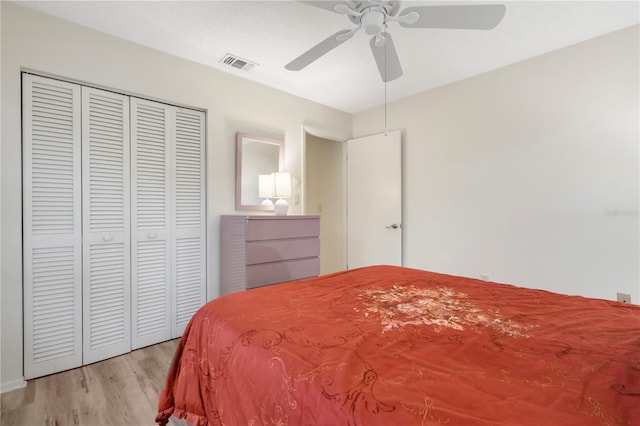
(373,16)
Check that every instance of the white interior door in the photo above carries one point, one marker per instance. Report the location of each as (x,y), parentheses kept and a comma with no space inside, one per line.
(374,200)
(169,232)
(189,216)
(151,219)
(52,226)
(106,225)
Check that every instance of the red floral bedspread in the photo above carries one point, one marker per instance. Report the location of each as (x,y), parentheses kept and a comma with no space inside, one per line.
(395,346)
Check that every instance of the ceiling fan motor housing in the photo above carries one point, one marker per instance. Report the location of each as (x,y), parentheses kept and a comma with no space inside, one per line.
(373,22)
(386,8)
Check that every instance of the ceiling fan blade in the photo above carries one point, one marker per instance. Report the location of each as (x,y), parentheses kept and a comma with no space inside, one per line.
(389,69)
(471,17)
(328,5)
(318,50)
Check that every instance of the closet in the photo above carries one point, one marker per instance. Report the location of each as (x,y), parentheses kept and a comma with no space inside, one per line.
(113,223)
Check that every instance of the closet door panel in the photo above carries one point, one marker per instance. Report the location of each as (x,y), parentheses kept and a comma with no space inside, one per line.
(106,225)
(52,226)
(189,204)
(151,244)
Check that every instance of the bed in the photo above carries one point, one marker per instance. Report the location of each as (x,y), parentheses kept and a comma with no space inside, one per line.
(395,346)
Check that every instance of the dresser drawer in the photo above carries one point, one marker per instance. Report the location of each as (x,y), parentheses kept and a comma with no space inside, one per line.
(271,273)
(276,228)
(257,251)
(277,250)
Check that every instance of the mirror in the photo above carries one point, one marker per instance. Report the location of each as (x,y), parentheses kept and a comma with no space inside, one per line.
(255,155)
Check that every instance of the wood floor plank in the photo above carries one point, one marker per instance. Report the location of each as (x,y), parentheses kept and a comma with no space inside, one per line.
(119,391)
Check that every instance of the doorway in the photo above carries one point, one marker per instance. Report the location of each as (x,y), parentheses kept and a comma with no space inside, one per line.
(374,235)
(324,189)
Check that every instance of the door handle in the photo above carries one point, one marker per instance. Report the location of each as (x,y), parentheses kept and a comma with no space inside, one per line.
(393,226)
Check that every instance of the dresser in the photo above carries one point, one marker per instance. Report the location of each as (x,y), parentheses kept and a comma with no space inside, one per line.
(261,250)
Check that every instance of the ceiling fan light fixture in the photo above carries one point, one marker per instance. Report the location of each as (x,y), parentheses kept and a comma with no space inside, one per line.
(372,22)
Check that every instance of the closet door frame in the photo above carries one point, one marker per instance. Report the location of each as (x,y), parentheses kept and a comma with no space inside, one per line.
(175,314)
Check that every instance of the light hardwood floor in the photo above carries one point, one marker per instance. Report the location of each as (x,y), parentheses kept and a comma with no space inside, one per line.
(119,391)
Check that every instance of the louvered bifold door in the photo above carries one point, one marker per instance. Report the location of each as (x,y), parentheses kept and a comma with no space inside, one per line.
(151,243)
(52,226)
(189,213)
(106,225)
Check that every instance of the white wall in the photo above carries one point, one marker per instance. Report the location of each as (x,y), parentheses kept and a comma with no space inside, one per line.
(34,41)
(528,174)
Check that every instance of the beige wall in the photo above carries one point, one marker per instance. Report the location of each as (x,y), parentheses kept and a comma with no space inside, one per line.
(528,174)
(34,41)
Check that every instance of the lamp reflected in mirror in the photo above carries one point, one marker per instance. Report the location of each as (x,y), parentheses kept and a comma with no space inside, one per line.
(266,189)
(282,187)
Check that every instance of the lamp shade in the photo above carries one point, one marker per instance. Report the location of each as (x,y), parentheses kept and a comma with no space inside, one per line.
(282,182)
(265,186)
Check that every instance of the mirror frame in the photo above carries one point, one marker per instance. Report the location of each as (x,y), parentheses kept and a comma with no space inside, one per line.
(240,137)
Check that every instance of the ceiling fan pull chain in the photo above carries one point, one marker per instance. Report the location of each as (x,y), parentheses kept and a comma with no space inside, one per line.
(385,82)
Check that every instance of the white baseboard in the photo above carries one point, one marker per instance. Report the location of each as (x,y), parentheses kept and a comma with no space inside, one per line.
(12,385)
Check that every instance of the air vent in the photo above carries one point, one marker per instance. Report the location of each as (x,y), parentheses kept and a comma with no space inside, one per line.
(237,62)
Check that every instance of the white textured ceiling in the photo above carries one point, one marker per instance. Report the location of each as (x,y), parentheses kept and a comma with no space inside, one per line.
(272,33)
